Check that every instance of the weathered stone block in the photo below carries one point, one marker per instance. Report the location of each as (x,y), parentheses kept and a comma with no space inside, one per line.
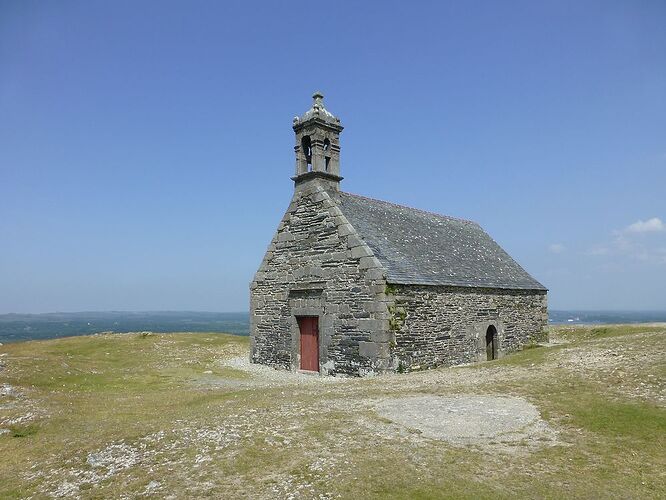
(319,196)
(372,325)
(384,336)
(361,251)
(354,241)
(376,273)
(335,212)
(345,229)
(373,350)
(369,263)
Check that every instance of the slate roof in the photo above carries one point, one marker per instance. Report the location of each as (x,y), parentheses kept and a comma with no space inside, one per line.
(424,248)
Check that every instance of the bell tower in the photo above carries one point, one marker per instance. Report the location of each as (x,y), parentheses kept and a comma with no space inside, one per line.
(318,145)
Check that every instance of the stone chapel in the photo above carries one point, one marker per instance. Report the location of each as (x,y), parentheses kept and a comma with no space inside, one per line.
(357,286)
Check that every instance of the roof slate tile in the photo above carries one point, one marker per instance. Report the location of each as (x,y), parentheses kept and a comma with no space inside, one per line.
(423,248)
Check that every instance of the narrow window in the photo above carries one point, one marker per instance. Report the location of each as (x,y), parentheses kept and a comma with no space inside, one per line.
(306,147)
(327,147)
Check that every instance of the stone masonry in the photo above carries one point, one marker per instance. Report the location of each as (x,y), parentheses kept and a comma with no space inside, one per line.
(317,265)
(392,288)
(440,325)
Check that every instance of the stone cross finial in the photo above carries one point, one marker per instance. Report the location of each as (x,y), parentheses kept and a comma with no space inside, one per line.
(318,97)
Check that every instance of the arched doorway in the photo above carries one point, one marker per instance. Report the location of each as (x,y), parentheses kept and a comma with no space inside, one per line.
(491,343)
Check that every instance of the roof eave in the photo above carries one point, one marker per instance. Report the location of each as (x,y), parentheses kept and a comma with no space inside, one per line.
(413,282)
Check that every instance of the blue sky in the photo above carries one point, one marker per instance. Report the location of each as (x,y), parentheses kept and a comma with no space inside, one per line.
(146,147)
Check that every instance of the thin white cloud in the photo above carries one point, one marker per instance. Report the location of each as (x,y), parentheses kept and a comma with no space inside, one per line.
(652,225)
(556,248)
(630,243)
(633,242)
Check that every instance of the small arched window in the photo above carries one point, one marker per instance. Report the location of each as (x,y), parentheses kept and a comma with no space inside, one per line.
(306,147)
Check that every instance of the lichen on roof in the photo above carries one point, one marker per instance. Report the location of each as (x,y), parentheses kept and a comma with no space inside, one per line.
(423,248)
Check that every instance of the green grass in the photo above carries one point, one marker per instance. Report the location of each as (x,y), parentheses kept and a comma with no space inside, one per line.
(583,333)
(637,422)
(20,431)
(533,355)
(224,434)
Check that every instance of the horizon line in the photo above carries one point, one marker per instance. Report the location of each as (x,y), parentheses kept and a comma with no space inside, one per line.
(162,311)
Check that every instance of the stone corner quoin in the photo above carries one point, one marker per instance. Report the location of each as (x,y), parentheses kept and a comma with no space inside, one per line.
(378,281)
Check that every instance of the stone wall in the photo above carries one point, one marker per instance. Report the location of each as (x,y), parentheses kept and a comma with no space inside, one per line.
(317,265)
(445,326)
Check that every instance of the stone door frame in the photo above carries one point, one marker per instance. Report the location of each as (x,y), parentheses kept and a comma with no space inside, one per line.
(324,321)
(478,334)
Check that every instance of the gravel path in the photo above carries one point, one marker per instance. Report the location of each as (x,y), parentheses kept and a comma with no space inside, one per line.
(267,376)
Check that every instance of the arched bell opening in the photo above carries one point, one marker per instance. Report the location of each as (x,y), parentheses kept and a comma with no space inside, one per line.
(306,148)
(327,154)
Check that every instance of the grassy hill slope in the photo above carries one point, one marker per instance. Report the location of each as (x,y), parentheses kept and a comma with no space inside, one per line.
(184,415)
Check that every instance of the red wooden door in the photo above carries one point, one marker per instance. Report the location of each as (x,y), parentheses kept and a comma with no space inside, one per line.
(309,327)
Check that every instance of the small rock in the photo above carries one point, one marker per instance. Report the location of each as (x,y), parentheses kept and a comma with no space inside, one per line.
(94,460)
(152,486)
(8,390)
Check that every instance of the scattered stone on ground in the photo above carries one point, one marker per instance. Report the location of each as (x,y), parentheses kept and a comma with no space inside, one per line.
(267,376)
(612,360)
(163,447)
(152,487)
(8,390)
(17,408)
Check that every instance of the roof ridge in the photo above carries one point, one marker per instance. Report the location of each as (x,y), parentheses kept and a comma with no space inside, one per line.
(411,208)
